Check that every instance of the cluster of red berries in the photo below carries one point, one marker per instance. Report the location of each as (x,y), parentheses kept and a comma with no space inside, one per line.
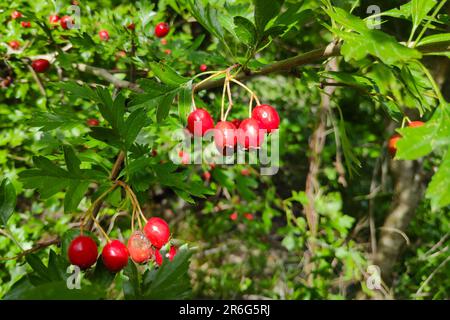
(141,247)
(392,144)
(248,133)
(42,65)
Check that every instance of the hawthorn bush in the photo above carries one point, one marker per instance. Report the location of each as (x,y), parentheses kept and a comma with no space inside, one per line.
(100,199)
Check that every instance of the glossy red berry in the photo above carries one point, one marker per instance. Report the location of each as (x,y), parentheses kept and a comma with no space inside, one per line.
(203,67)
(245,172)
(392,144)
(139,247)
(92,122)
(14,44)
(131,26)
(65,21)
(83,252)
(200,119)
(248,216)
(158,257)
(16,15)
(250,134)
(26,24)
(162,29)
(267,116)
(104,35)
(234,216)
(225,135)
(53,19)
(414,124)
(115,256)
(172,252)
(157,231)
(40,65)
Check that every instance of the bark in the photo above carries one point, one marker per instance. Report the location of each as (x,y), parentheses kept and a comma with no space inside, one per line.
(408,192)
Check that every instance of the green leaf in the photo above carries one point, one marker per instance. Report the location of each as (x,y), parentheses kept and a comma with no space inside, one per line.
(164,106)
(364,41)
(47,121)
(37,265)
(417,142)
(108,136)
(438,190)
(245,30)
(185,103)
(74,194)
(171,280)
(132,286)
(102,276)
(134,124)
(207,17)
(435,38)
(419,10)
(76,90)
(167,75)
(7,200)
(264,12)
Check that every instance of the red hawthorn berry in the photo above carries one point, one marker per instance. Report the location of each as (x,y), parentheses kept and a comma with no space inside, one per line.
(212,165)
(414,124)
(115,256)
(248,216)
(172,252)
(250,134)
(82,252)
(162,29)
(53,19)
(14,44)
(26,24)
(158,257)
(131,26)
(104,35)
(40,65)
(157,231)
(139,247)
(154,153)
(203,67)
(164,41)
(201,119)
(392,144)
(225,136)
(234,216)
(167,51)
(64,21)
(206,176)
(16,15)
(92,122)
(245,172)
(267,116)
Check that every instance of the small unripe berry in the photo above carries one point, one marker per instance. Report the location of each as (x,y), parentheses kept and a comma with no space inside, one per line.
(139,247)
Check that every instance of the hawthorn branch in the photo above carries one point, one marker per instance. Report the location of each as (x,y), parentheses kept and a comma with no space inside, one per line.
(39,246)
(104,74)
